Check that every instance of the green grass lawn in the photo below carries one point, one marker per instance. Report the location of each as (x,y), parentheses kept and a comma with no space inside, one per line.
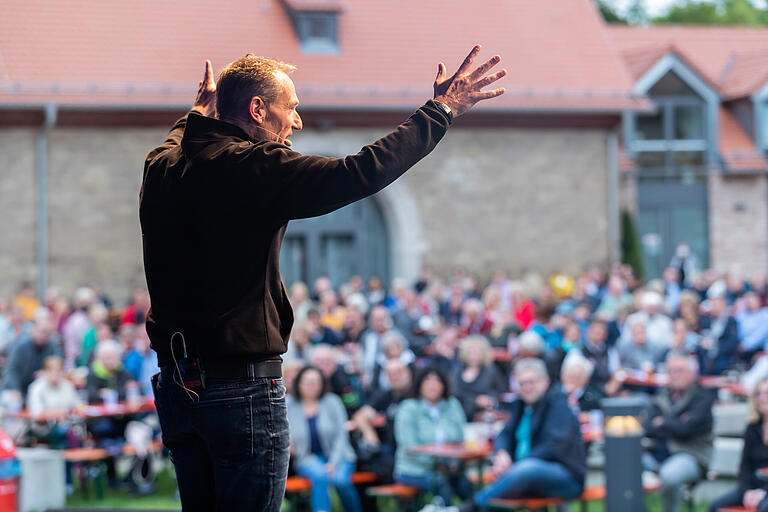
(164,498)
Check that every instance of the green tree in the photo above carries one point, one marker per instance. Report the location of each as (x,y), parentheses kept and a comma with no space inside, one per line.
(609,13)
(688,11)
(637,14)
(741,12)
(709,12)
(631,252)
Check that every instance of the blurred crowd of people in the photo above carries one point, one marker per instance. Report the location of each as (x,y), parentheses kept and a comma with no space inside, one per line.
(374,370)
(413,363)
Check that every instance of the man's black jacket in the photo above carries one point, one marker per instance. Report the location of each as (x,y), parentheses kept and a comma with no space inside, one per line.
(214,205)
(555,433)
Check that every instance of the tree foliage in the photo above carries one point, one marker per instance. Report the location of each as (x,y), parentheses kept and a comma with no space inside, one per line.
(699,12)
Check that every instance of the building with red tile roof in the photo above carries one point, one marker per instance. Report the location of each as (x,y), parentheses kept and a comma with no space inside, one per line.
(710,86)
(529,181)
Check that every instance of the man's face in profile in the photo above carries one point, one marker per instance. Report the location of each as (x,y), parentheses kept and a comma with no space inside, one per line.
(282,117)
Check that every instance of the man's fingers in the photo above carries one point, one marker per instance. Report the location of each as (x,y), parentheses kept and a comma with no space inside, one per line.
(209,71)
(440,73)
(483,69)
(469,60)
(485,95)
(489,79)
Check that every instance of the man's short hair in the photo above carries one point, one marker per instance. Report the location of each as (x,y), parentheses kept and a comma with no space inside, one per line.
(245,78)
(693,364)
(531,363)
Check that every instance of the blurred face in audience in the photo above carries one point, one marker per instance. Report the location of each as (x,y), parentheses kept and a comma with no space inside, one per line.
(110,359)
(671,275)
(54,371)
(392,348)
(475,355)
(354,319)
(431,388)
(638,334)
(679,333)
(532,385)
(681,373)
(573,378)
(42,331)
(328,300)
(325,360)
(596,333)
(572,333)
(379,319)
(752,301)
(717,306)
(399,376)
(310,385)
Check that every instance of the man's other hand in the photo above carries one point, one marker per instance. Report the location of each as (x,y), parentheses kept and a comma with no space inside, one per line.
(462,90)
(501,462)
(205,102)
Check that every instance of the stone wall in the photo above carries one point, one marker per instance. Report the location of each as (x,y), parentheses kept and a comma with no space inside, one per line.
(485,199)
(738,223)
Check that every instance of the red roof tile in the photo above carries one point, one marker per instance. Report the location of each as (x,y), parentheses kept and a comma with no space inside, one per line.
(558,53)
(733,59)
(736,147)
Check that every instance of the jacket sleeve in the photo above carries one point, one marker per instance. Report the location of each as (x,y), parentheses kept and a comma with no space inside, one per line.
(560,429)
(506,438)
(172,140)
(340,442)
(12,374)
(308,186)
(746,468)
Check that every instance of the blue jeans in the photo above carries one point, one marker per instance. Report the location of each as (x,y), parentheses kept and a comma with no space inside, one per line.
(734,499)
(230,449)
(313,468)
(532,477)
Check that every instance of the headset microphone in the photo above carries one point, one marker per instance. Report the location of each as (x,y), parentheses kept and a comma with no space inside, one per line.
(284,140)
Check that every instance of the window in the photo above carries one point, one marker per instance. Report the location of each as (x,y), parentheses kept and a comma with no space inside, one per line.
(670,144)
(688,122)
(649,127)
(317,31)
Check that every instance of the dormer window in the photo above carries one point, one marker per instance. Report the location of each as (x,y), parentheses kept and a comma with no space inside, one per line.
(316,23)
(317,31)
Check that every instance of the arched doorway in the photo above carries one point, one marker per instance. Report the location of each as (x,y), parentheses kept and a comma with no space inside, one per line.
(350,241)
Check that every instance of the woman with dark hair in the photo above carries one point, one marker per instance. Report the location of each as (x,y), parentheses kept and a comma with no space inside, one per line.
(430,416)
(320,445)
(751,489)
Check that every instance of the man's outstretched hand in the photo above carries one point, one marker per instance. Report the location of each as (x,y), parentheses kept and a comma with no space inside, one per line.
(205,102)
(463,89)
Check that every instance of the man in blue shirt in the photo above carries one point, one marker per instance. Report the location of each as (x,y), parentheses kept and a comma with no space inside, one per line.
(753,324)
(540,452)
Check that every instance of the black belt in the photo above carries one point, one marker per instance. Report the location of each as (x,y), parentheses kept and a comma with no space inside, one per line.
(229,369)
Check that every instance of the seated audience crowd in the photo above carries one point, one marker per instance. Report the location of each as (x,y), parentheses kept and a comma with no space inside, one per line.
(373,372)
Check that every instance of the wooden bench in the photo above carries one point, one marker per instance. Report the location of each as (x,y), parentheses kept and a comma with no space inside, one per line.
(297,485)
(407,496)
(128,448)
(590,494)
(89,464)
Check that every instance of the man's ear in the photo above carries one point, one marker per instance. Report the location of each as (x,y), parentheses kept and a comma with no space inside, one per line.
(257,110)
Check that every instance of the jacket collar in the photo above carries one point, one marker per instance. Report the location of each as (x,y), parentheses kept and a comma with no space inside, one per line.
(204,127)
